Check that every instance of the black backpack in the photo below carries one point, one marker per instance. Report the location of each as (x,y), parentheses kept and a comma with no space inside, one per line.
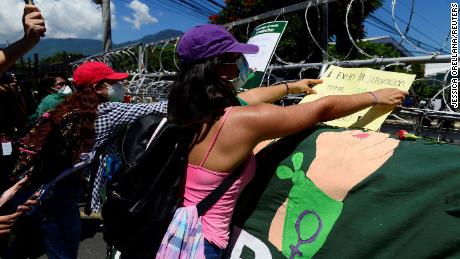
(143,197)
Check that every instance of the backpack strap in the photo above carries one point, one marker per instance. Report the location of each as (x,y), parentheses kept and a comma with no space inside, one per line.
(211,199)
(214,139)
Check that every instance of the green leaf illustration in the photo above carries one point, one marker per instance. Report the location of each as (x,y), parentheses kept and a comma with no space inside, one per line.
(297,160)
(283,172)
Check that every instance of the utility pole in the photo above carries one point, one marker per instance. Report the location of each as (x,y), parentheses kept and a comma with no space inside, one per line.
(325,34)
(325,30)
(106,24)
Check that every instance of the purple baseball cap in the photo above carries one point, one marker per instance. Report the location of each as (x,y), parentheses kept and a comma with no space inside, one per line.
(207,41)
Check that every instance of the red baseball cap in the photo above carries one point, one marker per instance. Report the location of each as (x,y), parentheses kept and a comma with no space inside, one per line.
(91,73)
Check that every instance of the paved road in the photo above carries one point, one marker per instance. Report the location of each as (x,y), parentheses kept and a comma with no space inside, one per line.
(92,246)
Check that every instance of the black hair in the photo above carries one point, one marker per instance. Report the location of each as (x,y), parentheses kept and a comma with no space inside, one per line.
(199,97)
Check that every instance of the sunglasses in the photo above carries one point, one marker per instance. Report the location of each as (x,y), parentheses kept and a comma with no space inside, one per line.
(59,84)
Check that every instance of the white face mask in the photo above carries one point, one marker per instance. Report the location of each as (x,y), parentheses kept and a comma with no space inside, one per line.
(242,78)
(64,91)
(116,92)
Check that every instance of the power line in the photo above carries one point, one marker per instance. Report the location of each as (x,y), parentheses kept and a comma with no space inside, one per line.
(403,36)
(390,29)
(172,8)
(196,6)
(165,7)
(414,28)
(180,7)
(191,7)
(214,7)
(421,16)
(216,4)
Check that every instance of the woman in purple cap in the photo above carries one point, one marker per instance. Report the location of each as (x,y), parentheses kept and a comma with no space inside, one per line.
(203,99)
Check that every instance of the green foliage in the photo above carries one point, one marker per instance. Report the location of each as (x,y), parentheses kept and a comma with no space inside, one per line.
(426,89)
(375,49)
(418,69)
(296,45)
(61,58)
(167,58)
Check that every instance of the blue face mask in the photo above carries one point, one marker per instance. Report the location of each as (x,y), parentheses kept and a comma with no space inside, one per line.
(242,78)
(64,91)
(116,92)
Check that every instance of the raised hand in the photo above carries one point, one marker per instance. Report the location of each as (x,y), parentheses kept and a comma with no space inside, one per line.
(389,96)
(304,86)
(34,24)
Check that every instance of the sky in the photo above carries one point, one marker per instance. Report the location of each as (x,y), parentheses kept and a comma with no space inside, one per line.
(133,19)
(430,22)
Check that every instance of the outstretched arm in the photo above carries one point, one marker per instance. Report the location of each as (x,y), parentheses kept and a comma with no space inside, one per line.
(265,121)
(34,27)
(271,94)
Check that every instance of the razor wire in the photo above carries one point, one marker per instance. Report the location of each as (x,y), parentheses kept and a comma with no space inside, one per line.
(347,26)
(281,12)
(406,31)
(403,35)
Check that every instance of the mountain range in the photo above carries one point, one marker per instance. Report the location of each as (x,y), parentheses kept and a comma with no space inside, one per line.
(49,47)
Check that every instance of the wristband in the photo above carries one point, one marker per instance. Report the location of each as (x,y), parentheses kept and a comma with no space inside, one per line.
(375,98)
(287,88)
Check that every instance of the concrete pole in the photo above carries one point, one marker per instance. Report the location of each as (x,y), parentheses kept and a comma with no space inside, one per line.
(325,35)
(325,31)
(106,25)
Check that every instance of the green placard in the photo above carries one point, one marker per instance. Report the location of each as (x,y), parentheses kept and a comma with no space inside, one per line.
(267,37)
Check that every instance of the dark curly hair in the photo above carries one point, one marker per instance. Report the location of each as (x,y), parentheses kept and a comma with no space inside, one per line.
(85,103)
(199,97)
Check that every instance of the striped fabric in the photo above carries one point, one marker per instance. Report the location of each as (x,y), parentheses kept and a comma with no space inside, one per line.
(184,238)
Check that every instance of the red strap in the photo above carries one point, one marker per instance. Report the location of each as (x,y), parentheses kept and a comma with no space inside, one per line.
(215,136)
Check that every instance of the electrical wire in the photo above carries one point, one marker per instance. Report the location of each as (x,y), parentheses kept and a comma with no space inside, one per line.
(180,5)
(174,9)
(390,29)
(211,5)
(422,17)
(412,27)
(403,36)
(406,31)
(216,4)
(445,41)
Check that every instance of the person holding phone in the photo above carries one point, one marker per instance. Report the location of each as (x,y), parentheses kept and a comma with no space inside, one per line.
(34,28)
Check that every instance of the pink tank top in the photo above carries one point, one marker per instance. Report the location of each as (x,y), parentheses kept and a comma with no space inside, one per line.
(201,181)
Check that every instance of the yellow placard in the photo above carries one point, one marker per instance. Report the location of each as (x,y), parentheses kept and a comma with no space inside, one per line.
(344,81)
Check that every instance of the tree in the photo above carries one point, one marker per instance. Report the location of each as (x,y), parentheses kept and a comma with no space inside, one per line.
(377,49)
(61,58)
(296,45)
